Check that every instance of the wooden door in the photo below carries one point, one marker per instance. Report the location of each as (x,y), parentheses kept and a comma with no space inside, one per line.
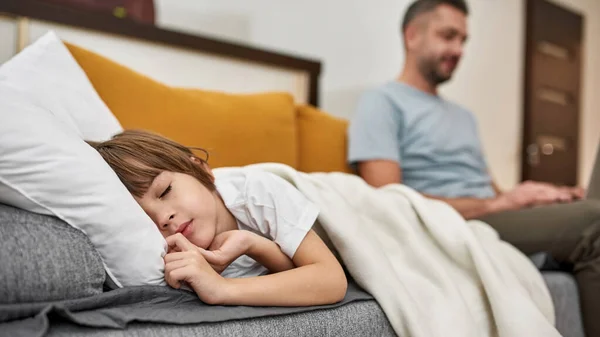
(552,93)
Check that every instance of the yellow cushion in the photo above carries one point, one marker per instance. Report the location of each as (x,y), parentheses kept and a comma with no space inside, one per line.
(236,129)
(322,141)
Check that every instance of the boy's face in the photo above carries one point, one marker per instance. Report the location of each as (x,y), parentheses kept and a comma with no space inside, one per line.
(178,202)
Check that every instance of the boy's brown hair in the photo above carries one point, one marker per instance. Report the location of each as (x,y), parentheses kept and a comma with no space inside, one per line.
(138,156)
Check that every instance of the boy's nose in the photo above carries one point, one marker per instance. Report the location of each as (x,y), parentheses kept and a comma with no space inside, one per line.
(168,224)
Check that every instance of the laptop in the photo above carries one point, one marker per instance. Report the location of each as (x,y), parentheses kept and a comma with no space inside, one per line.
(593,190)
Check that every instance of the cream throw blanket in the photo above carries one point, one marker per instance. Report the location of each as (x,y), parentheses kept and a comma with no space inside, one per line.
(432,273)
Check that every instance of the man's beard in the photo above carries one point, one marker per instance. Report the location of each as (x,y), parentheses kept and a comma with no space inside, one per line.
(429,68)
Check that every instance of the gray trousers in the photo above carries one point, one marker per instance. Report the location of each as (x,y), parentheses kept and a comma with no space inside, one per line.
(571,234)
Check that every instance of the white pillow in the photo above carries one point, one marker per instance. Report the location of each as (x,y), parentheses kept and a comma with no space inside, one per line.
(50,77)
(47,108)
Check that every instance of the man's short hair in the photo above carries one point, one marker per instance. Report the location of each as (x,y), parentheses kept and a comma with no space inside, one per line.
(424,6)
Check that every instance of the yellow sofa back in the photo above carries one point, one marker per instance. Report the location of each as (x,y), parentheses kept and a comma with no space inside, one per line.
(236,129)
(321,141)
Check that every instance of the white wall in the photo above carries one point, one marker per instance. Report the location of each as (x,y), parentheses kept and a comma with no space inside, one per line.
(359,43)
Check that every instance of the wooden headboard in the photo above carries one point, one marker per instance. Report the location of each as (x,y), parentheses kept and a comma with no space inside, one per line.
(172,57)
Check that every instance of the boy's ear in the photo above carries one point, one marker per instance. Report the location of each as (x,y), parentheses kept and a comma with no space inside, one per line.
(204,165)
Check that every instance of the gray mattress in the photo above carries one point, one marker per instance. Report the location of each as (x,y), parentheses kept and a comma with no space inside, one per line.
(148,304)
(360,318)
(358,315)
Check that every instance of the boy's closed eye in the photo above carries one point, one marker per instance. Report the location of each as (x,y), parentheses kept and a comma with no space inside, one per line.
(165,192)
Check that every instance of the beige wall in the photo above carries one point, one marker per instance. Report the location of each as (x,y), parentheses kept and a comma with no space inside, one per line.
(490,82)
(590,121)
(359,43)
(8,38)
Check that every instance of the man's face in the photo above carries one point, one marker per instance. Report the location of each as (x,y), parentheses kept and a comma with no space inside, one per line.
(438,43)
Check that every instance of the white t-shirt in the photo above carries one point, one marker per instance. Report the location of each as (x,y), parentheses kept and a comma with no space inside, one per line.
(269,206)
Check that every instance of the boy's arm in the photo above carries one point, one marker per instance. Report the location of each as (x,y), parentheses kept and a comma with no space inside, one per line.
(317,279)
(228,246)
(268,254)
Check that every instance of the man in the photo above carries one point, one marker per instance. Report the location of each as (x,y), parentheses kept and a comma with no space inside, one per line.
(404,132)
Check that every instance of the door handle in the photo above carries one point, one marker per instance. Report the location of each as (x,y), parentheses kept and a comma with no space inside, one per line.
(551,144)
(548,149)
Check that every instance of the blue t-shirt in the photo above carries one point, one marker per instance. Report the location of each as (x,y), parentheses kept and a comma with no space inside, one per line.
(435,142)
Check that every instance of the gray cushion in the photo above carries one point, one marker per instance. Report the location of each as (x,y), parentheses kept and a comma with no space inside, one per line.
(363,318)
(43,259)
(565,296)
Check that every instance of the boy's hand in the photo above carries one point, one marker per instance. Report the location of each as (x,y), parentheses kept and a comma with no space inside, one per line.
(186,264)
(226,247)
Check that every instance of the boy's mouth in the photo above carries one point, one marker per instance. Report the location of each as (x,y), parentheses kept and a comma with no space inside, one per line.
(185,228)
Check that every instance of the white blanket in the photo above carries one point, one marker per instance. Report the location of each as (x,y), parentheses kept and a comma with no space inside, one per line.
(433,273)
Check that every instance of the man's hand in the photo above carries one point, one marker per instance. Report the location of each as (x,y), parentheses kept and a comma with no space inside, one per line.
(577,192)
(226,247)
(184,263)
(531,193)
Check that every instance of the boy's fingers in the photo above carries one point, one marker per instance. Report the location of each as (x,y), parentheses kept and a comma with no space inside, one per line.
(173,250)
(215,260)
(176,276)
(206,253)
(179,241)
(169,267)
(171,283)
(209,256)
(172,266)
(175,256)
(216,257)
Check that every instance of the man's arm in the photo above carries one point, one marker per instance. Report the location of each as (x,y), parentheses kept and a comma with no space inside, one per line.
(470,208)
(379,173)
(383,172)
